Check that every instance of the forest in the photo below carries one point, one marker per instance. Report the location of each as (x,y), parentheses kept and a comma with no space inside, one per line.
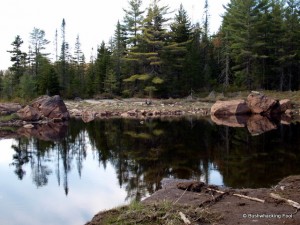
(152,55)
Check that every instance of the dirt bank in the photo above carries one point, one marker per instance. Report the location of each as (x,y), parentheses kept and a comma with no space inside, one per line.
(204,204)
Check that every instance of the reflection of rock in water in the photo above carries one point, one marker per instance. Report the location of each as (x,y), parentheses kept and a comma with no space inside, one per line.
(258,124)
(265,113)
(46,132)
(230,120)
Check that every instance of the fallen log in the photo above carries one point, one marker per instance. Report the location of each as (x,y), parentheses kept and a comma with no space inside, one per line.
(288,201)
(238,195)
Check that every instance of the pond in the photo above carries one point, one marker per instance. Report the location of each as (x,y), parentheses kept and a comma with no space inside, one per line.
(68,173)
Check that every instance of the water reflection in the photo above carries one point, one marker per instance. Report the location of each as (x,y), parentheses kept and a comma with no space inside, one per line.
(143,153)
(257,124)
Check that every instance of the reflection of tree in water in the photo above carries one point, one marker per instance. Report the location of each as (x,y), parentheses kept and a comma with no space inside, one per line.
(145,153)
(42,153)
(257,161)
(21,157)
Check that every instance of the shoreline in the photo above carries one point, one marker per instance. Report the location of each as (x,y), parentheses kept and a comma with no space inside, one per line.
(209,204)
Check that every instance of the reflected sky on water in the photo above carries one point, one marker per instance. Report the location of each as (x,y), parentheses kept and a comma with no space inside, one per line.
(90,167)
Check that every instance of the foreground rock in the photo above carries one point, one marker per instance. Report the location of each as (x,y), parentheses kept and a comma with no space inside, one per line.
(220,205)
(52,108)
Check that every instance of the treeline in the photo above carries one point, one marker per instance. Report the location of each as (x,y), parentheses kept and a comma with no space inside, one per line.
(150,54)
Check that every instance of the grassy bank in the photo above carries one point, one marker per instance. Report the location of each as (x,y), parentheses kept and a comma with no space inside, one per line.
(165,212)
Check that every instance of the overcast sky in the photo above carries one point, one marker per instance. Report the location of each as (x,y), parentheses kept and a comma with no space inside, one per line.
(93,20)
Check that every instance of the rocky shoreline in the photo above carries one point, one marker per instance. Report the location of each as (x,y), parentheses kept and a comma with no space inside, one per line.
(193,202)
(89,110)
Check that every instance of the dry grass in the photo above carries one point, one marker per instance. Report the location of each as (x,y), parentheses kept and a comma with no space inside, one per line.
(159,213)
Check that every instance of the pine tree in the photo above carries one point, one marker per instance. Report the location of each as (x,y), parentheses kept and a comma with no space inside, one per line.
(18,59)
(146,56)
(38,44)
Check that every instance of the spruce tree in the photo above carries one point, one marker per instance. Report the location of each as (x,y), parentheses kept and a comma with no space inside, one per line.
(133,21)
(118,54)
(175,54)
(240,23)
(18,59)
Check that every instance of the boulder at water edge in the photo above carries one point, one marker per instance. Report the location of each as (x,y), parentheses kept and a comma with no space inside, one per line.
(45,107)
(261,104)
(233,107)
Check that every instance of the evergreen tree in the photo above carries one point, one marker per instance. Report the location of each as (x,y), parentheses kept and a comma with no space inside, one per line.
(47,81)
(175,54)
(118,53)
(78,82)
(193,67)
(133,21)
(63,60)
(291,44)
(18,59)
(38,44)
(91,85)
(110,82)
(240,23)
(102,64)
(27,86)
(146,56)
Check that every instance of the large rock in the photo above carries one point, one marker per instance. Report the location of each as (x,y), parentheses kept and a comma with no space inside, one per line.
(233,107)
(261,104)
(45,106)
(29,113)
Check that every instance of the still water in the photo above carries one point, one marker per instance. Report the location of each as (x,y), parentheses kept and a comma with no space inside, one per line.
(65,174)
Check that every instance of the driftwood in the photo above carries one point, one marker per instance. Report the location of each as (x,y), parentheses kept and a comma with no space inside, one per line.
(288,201)
(183,217)
(239,195)
(250,198)
(214,200)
